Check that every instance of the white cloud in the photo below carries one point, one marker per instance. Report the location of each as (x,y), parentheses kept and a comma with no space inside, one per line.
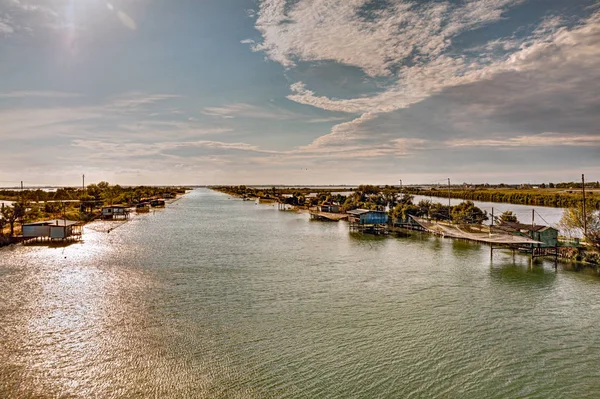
(336,30)
(136,100)
(39,94)
(127,149)
(411,42)
(242,110)
(538,140)
(5,27)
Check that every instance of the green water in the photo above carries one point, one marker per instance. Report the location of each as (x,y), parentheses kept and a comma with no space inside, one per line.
(216,297)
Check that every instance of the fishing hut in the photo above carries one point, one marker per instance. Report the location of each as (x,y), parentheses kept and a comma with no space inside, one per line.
(521,238)
(368,221)
(60,229)
(113,212)
(157,203)
(547,236)
(329,208)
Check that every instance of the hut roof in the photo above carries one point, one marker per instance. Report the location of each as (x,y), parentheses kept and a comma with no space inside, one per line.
(55,222)
(359,212)
(517,227)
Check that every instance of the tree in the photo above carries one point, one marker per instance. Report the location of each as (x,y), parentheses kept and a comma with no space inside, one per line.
(572,222)
(507,217)
(3,221)
(10,217)
(439,211)
(467,212)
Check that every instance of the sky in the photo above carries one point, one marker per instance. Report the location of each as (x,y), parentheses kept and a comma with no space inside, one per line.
(299,91)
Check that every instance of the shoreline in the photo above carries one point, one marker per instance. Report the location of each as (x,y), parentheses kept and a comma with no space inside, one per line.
(7,240)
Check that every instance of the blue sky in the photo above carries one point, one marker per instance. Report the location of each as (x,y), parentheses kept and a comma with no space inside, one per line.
(299,91)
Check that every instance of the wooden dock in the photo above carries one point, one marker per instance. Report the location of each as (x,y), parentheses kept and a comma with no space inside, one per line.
(327,216)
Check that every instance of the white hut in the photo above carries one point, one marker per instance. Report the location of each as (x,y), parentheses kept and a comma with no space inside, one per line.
(115,212)
(53,229)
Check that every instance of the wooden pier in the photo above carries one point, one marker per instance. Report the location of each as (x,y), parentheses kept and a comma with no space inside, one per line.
(327,216)
(375,229)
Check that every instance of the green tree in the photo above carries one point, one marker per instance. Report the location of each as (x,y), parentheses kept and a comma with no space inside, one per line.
(467,213)
(507,217)
(10,217)
(572,222)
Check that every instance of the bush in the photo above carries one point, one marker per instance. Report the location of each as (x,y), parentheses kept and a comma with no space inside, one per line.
(592,257)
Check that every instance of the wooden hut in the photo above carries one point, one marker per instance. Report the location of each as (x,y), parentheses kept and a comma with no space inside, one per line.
(329,208)
(368,221)
(115,212)
(53,229)
(547,235)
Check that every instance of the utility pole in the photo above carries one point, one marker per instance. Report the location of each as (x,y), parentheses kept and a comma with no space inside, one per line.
(584,214)
(449,204)
(83,184)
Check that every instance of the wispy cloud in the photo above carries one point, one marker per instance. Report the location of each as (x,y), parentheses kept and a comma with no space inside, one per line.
(136,100)
(241,110)
(128,149)
(39,94)
(538,140)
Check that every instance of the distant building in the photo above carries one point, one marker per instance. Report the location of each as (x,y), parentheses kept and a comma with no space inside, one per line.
(547,235)
(53,229)
(115,212)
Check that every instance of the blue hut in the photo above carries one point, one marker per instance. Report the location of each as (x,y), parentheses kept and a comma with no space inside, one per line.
(366,217)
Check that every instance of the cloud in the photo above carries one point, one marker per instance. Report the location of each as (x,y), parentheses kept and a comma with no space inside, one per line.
(538,140)
(5,27)
(241,110)
(136,100)
(127,149)
(378,41)
(25,15)
(39,94)
(522,85)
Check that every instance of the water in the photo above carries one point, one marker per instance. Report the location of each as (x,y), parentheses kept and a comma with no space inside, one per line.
(216,297)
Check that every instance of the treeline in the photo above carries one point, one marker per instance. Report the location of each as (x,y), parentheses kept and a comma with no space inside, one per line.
(519,197)
(399,205)
(101,193)
(71,203)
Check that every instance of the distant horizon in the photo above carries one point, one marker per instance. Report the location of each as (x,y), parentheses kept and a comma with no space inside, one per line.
(29,187)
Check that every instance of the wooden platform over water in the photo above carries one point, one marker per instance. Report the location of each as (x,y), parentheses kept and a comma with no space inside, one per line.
(327,216)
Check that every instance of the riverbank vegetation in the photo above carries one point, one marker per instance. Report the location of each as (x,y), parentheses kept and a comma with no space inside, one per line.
(401,206)
(70,203)
(551,197)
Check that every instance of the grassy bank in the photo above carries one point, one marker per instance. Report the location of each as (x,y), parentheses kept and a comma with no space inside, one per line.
(558,198)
